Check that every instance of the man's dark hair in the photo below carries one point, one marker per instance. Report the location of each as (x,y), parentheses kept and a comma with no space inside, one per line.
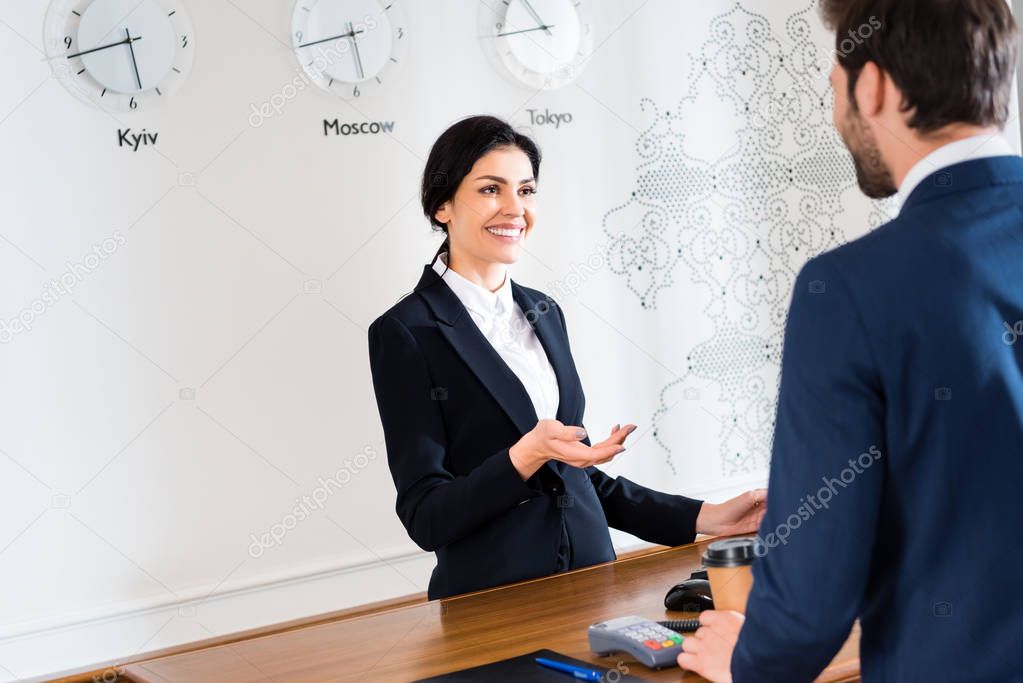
(953,60)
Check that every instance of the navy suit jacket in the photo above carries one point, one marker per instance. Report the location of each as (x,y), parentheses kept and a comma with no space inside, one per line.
(898,451)
(451,408)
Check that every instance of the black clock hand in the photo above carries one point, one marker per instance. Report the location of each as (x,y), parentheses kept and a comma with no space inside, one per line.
(355,49)
(134,64)
(536,17)
(104,47)
(324,40)
(525,30)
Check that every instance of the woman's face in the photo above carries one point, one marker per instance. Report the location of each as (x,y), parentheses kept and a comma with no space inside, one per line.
(492,211)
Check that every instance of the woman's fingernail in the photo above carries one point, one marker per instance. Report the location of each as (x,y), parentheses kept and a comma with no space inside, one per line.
(580,433)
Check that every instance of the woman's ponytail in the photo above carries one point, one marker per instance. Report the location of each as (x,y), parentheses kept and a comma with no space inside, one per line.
(444,246)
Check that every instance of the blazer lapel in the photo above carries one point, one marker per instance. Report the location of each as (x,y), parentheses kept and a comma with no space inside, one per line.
(465,338)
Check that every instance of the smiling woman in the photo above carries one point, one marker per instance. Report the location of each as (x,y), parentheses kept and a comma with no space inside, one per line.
(481,404)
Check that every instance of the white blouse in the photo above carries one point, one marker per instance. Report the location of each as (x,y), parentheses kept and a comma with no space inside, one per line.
(505,326)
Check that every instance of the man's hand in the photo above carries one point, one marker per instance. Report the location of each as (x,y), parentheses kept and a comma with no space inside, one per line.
(740,515)
(708,652)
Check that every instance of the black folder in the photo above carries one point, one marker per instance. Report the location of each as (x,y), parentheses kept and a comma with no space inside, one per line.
(524,669)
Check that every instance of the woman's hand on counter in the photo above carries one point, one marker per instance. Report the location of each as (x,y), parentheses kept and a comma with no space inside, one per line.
(740,515)
(552,440)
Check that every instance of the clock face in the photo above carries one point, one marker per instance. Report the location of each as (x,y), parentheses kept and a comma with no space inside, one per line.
(349,47)
(539,43)
(119,54)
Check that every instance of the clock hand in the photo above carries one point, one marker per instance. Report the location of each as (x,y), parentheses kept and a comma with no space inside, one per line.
(355,49)
(134,64)
(104,47)
(526,30)
(324,40)
(536,17)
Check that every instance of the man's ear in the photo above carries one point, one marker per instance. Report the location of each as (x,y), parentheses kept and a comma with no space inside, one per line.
(870,90)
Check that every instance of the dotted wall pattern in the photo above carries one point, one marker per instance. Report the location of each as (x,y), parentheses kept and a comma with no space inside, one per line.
(739,226)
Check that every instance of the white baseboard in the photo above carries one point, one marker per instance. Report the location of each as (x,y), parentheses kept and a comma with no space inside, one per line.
(87,642)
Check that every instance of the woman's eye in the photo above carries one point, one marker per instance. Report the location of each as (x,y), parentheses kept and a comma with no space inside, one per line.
(489,189)
(529,190)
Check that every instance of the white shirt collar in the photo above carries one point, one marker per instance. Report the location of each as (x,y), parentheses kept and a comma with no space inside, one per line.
(477,299)
(967,149)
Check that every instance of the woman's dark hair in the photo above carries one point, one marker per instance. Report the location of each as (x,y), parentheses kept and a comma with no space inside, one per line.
(454,154)
(953,60)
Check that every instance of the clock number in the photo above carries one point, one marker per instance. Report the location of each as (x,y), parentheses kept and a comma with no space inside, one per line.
(356,92)
(133,104)
(499,26)
(298,36)
(401,33)
(67,42)
(184,41)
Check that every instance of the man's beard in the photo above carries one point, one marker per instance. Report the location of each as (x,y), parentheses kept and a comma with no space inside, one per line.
(872,174)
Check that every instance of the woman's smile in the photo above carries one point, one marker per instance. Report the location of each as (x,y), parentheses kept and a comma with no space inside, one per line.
(509,233)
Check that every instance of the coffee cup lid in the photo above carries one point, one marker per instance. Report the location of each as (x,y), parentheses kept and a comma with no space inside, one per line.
(730,552)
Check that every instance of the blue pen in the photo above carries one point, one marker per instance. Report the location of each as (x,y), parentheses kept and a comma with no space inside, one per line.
(576,671)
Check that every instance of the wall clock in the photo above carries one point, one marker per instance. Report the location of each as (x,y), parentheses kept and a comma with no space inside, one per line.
(349,47)
(538,43)
(119,54)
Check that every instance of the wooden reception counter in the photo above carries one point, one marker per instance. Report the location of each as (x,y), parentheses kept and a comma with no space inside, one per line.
(430,638)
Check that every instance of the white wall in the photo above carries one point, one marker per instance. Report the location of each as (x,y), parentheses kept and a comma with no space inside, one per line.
(254,259)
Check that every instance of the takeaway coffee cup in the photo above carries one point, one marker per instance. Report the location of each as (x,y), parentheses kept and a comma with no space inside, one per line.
(729,569)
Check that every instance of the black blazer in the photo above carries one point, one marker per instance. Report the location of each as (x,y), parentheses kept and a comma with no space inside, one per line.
(451,408)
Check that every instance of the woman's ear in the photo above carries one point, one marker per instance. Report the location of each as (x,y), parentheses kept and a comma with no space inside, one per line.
(443,214)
